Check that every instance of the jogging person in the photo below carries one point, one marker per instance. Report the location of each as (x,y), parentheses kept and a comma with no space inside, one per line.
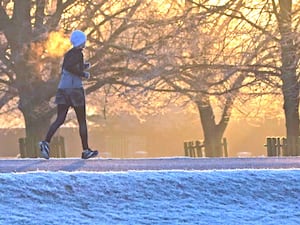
(70,93)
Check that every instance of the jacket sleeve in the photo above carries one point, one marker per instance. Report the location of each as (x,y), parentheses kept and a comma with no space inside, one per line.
(73,63)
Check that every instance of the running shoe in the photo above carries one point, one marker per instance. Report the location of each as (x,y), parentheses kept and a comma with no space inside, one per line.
(45,149)
(88,153)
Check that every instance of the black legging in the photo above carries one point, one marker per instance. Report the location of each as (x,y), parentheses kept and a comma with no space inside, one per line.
(62,111)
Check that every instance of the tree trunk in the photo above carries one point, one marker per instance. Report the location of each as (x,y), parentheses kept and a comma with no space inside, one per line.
(34,97)
(290,87)
(36,123)
(212,132)
(37,116)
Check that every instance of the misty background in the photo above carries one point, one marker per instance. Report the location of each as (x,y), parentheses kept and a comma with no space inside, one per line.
(163,72)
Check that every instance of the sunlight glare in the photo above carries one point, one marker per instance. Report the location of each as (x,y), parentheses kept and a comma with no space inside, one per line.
(57,44)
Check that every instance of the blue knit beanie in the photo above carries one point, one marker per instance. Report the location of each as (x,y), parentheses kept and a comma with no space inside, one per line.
(77,38)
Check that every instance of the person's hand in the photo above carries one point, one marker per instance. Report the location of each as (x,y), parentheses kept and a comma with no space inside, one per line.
(86,75)
(87,65)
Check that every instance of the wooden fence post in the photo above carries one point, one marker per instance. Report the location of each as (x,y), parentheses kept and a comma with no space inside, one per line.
(186,150)
(198,149)
(284,147)
(277,147)
(270,146)
(57,147)
(22,147)
(29,147)
(191,149)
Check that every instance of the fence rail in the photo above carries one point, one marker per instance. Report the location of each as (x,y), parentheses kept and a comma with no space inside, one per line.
(197,148)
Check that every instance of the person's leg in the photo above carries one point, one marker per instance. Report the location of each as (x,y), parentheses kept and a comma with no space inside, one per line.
(62,111)
(78,100)
(81,118)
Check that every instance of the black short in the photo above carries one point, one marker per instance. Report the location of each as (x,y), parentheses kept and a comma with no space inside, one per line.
(72,97)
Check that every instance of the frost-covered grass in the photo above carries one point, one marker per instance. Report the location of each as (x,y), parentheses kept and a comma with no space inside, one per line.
(151,197)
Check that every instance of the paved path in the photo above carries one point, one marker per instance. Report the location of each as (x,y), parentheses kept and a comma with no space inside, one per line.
(102,165)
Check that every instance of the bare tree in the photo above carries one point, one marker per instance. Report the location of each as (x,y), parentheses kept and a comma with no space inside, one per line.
(204,58)
(279,22)
(290,59)
(213,65)
(29,73)
(193,51)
